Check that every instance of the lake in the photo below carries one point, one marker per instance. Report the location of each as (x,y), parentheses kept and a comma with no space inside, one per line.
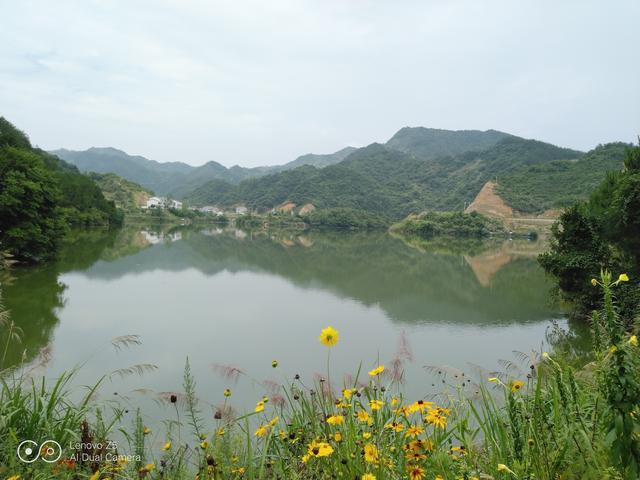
(229,298)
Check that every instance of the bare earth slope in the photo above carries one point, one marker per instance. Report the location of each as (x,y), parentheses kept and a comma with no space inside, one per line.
(489,203)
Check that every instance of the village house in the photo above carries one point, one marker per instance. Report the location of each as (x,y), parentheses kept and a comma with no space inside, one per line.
(161,202)
(211,210)
(154,202)
(175,204)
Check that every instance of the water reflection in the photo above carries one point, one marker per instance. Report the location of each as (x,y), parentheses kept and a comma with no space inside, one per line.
(437,283)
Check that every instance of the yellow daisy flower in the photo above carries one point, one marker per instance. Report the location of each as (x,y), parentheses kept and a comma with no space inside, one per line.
(335,420)
(370,453)
(329,336)
(319,449)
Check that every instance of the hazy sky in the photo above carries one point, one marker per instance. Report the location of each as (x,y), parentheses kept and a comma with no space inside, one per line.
(261,82)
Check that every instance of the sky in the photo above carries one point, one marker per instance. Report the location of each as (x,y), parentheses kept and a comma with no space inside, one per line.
(262,82)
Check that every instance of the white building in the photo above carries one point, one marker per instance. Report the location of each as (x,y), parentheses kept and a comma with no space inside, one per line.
(154,202)
(210,209)
(161,202)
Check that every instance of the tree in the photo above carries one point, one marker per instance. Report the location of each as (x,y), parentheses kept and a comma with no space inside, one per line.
(31,222)
(603,233)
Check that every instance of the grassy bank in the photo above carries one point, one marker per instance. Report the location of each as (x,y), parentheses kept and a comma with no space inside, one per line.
(561,416)
(449,224)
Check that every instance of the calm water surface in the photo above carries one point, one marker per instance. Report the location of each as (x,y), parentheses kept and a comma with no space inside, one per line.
(228,297)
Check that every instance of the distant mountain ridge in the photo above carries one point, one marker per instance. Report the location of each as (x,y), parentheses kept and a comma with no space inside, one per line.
(429,143)
(178,179)
(417,169)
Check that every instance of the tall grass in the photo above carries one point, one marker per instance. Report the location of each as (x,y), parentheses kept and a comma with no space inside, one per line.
(560,419)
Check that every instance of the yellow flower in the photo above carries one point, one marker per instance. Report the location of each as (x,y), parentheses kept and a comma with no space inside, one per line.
(329,336)
(415,457)
(273,421)
(167,446)
(146,431)
(337,437)
(204,444)
(419,406)
(503,468)
(439,477)
(274,364)
(347,393)
(394,401)
(363,416)
(436,419)
(395,426)
(413,431)
(319,449)
(613,349)
(149,467)
(633,341)
(415,472)
(366,435)
(368,476)
(376,404)
(623,277)
(95,476)
(370,453)
(14,477)
(221,431)
(259,406)
(594,282)
(516,385)
(377,371)
(335,420)
(227,392)
(261,431)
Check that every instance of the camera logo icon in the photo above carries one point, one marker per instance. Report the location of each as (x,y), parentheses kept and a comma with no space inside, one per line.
(29,451)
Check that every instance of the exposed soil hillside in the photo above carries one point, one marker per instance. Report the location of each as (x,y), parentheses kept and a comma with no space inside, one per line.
(489,203)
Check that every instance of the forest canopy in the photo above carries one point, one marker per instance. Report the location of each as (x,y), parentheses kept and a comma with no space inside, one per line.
(42,196)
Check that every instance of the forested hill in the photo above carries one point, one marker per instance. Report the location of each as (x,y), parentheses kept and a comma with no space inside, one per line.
(127,195)
(560,183)
(156,176)
(380,179)
(41,195)
(178,179)
(432,142)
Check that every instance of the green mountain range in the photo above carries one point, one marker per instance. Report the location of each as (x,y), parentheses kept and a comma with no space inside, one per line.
(178,179)
(387,181)
(417,169)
